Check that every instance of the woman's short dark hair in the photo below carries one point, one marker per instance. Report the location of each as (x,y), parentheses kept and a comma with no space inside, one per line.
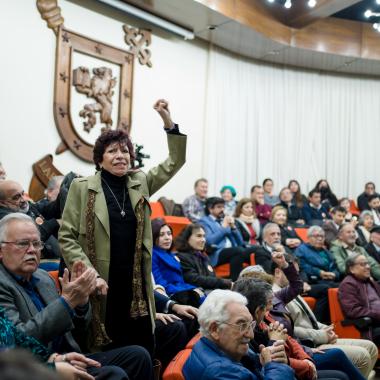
(182,241)
(157,224)
(107,138)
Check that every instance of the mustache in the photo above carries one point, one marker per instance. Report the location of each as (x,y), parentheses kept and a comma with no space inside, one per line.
(30,257)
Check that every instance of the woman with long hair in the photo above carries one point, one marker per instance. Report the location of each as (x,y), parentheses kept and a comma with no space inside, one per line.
(247,222)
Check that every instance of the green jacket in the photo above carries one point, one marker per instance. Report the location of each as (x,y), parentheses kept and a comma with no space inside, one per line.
(72,234)
(339,250)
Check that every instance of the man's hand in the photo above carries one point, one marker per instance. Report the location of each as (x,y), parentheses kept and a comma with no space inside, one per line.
(166,318)
(265,354)
(77,270)
(327,275)
(162,107)
(77,291)
(278,257)
(101,287)
(185,311)
(276,331)
(228,221)
(278,353)
(69,372)
(331,335)
(77,360)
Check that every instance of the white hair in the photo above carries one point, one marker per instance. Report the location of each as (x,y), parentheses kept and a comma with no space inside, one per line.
(213,309)
(19,216)
(268,226)
(313,229)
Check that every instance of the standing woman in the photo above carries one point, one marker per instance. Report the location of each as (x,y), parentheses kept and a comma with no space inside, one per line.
(106,224)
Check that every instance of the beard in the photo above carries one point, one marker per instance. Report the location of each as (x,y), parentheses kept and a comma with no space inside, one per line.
(24,208)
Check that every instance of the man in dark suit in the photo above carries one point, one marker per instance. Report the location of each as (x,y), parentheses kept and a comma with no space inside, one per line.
(331,226)
(314,212)
(32,303)
(373,248)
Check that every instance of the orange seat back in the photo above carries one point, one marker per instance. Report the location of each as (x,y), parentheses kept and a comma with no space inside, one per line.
(337,317)
(193,340)
(177,223)
(157,210)
(174,370)
(302,233)
(353,208)
(54,275)
(223,270)
(311,301)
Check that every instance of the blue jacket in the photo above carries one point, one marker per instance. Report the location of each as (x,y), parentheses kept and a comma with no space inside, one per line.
(311,214)
(167,271)
(208,362)
(216,236)
(313,261)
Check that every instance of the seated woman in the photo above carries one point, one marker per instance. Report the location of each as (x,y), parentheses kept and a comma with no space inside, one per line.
(167,270)
(247,222)
(195,264)
(269,197)
(359,295)
(289,237)
(299,199)
(329,199)
(363,229)
(10,338)
(262,210)
(346,204)
(228,193)
(295,217)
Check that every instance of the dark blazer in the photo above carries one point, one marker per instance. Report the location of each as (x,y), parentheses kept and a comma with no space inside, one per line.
(331,231)
(313,215)
(45,325)
(294,212)
(372,251)
(197,270)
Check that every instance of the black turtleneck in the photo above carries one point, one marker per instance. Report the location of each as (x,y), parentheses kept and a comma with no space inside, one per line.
(122,240)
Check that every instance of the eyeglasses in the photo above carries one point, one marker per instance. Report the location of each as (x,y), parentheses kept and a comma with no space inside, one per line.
(318,236)
(243,327)
(23,245)
(363,263)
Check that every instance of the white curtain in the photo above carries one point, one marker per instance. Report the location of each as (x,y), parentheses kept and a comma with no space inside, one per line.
(263,120)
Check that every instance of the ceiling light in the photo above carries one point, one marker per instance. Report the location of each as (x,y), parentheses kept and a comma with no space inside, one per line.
(368,13)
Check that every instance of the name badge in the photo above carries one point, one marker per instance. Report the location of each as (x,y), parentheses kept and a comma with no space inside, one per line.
(210,268)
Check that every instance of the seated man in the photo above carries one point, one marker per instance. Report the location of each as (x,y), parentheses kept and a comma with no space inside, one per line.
(373,248)
(194,206)
(331,227)
(31,301)
(224,238)
(362,200)
(346,245)
(374,207)
(223,351)
(359,294)
(314,212)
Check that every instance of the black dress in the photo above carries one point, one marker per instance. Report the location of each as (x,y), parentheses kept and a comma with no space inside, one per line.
(121,328)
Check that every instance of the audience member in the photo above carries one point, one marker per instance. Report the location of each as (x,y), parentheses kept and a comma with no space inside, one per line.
(331,226)
(228,193)
(373,248)
(261,209)
(3,173)
(328,198)
(359,294)
(106,224)
(53,187)
(31,301)
(299,199)
(345,246)
(289,236)
(364,228)
(195,264)
(295,217)
(223,238)
(194,206)
(166,267)
(223,351)
(247,222)
(314,212)
(362,201)
(374,207)
(269,197)
(350,217)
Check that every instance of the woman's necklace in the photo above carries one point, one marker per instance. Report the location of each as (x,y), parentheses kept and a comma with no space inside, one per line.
(122,212)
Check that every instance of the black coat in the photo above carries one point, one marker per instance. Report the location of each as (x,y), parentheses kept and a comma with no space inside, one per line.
(371,249)
(294,213)
(197,270)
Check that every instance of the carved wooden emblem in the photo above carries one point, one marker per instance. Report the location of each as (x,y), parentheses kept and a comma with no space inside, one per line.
(137,39)
(94,86)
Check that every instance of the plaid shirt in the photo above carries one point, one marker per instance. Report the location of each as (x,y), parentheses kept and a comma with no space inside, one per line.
(194,208)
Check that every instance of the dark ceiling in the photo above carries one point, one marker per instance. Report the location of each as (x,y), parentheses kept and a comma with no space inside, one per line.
(356,12)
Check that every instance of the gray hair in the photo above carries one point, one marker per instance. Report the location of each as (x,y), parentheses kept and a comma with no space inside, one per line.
(314,229)
(18,216)
(269,226)
(363,215)
(350,261)
(213,309)
(53,181)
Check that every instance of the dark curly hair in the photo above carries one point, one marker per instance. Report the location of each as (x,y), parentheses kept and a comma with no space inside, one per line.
(182,241)
(107,138)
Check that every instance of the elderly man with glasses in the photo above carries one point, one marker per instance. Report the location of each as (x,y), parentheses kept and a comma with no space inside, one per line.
(31,301)
(223,352)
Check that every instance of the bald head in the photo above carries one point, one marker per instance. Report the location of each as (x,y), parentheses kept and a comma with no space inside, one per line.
(12,196)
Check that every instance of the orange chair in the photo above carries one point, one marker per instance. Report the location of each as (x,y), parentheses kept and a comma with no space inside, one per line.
(353,208)
(54,275)
(311,301)
(224,269)
(302,233)
(157,210)
(174,370)
(337,318)
(177,223)
(193,340)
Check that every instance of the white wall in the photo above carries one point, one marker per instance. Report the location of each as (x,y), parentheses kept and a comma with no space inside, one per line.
(28,130)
